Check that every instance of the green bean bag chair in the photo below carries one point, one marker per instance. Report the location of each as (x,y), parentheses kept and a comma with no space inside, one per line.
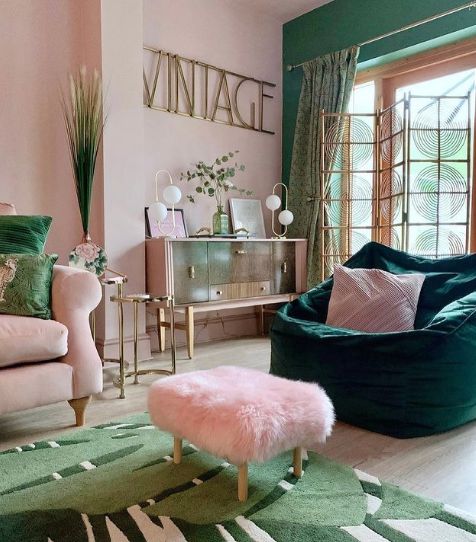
(403,384)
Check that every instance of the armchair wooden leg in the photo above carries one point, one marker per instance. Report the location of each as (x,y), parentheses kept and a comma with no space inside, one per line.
(79,407)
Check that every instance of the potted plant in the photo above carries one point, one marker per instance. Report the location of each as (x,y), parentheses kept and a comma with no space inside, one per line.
(84,122)
(212,181)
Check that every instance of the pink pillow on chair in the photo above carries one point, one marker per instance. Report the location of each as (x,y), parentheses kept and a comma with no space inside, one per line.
(373,300)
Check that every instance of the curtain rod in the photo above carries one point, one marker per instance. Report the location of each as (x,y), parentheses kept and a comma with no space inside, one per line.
(468,5)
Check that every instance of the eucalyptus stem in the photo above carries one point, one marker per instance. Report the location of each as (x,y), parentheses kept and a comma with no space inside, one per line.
(214,179)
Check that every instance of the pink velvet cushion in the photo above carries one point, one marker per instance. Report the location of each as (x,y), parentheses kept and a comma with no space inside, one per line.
(25,339)
(241,414)
(373,300)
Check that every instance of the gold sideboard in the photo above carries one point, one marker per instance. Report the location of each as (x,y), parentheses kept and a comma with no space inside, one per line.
(213,274)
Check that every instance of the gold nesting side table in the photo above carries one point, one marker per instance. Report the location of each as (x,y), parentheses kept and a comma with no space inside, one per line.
(136,300)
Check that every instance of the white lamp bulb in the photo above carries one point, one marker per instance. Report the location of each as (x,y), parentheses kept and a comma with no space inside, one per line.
(172,194)
(273,202)
(285,217)
(158,211)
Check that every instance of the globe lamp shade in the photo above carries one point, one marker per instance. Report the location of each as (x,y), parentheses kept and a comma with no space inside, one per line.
(285,217)
(273,202)
(172,194)
(157,211)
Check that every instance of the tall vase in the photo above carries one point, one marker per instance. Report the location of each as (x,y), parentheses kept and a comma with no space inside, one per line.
(220,222)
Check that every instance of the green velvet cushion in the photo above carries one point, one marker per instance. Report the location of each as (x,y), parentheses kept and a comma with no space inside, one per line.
(21,234)
(25,284)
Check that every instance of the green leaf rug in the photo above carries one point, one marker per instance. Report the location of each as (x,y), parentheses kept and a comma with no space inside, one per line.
(116,482)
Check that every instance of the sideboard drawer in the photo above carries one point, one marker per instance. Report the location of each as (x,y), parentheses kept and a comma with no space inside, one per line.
(239,290)
(190,271)
(239,262)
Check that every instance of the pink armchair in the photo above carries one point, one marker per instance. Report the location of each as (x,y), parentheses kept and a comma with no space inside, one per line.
(46,361)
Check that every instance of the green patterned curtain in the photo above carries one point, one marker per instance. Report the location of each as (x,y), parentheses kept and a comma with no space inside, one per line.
(327,85)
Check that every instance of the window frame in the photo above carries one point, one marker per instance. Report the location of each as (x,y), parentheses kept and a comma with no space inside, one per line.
(431,64)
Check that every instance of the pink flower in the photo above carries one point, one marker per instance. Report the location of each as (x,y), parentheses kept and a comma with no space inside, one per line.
(88,251)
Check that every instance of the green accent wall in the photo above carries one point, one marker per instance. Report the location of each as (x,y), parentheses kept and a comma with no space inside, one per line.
(343,23)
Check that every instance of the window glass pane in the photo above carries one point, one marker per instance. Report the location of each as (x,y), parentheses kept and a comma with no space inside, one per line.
(454,84)
(362,99)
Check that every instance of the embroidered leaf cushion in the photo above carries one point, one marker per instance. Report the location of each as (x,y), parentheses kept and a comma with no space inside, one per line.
(373,300)
(25,284)
(21,234)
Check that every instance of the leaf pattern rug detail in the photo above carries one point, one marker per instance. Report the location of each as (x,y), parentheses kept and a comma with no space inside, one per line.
(116,482)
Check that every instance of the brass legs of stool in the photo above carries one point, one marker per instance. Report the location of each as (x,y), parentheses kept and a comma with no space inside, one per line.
(243,469)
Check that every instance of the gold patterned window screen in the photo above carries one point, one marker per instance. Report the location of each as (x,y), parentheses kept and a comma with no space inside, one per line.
(439,171)
(400,176)
(348,196)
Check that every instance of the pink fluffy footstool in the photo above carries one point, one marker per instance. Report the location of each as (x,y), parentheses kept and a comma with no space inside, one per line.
(242,415)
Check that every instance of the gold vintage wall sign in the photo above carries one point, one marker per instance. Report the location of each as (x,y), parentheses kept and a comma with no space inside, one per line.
(195,89)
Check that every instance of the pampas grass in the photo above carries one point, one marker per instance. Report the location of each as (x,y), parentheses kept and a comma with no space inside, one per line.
(83,117)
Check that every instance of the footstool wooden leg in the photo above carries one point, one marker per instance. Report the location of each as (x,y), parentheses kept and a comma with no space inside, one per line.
(297,462)
(177,450)
(243,482)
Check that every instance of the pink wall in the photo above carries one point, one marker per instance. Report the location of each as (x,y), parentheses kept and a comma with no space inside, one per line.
(41,42)
(123,157)
(230,36)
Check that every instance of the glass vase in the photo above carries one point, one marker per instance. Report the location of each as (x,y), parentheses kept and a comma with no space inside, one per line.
(220,221)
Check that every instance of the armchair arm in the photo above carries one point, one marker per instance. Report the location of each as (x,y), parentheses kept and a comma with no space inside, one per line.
(74,295)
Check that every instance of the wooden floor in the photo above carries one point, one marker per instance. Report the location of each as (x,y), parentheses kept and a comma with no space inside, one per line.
(442,467)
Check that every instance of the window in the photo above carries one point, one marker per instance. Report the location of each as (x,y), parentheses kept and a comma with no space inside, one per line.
(419,172)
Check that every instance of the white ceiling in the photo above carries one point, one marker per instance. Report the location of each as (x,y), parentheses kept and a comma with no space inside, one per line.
(284,10)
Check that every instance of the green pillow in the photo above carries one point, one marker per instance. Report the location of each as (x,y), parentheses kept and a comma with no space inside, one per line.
(25,284)
(21,234)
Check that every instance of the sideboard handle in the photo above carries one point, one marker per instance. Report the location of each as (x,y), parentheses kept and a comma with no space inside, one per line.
(263,288)
(284,267)
(240,252)
(219,292)
(191,271)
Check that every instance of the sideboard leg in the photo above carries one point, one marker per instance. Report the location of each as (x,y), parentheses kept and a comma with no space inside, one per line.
(260,317)
(190,330)
(161,329)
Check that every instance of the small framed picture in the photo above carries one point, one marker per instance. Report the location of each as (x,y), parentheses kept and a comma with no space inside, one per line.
(166,228)
(247,214)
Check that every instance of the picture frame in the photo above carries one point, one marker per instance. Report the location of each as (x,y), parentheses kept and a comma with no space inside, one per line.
(248,214)
(153,231)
